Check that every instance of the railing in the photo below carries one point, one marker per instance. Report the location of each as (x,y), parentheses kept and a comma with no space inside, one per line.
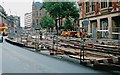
(115,33)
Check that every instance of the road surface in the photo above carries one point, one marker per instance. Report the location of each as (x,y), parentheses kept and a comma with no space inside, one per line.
(0,58)
(20,60)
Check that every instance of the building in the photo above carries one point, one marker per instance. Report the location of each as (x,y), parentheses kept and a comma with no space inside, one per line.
(17,26)
(28,20)
(16,21)
(101,19)
(37,13)
(14,27)
(2,18)
(2,15)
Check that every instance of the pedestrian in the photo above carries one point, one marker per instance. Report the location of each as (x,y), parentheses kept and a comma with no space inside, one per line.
(83,34)
(40,35)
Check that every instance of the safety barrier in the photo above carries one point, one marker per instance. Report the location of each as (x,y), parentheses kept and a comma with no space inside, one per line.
(17,44)
(14,43)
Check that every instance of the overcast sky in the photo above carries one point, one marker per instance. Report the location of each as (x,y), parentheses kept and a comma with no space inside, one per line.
(18,7)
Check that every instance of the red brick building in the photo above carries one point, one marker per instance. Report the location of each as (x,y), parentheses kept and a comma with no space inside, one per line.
(102,16)
(37,13)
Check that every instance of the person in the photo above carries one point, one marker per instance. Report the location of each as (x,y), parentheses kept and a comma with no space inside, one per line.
(83,34)
(1,38)
(40,35)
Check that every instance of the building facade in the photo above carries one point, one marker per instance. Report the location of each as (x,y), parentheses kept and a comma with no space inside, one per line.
(17,21)
(14,27)
(28,20)
(2,18)
(37,14)
(101,18)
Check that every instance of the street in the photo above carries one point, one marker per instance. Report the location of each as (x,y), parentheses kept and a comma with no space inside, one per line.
(19,60)
(0,58)
(71,36)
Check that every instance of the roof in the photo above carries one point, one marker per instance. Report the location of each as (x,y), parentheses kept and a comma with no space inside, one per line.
(37,4)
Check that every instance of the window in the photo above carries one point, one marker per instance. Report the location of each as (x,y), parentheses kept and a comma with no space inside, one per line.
(87,7)
(37,21)
(40,13)
(36,13)
(103,3)
(93,6)
(33,22)
(110,4)
(33,14)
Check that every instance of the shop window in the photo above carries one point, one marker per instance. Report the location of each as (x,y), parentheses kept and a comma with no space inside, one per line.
(104,25)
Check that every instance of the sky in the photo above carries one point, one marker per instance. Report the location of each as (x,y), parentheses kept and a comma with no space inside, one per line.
(18,7)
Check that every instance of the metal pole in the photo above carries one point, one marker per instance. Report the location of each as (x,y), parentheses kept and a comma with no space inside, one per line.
(81,53)
(56,26)
(83,48)
(80,56)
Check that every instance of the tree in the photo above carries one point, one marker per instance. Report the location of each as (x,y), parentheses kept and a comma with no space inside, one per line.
(62,10)
(47,22)
(68,25)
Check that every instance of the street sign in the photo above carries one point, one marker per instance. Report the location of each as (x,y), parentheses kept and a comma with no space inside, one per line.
(85,24)
(37,28)
(105,23)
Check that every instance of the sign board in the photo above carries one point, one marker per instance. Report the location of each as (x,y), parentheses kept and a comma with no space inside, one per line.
(37,28)
(105,23)
(85,24)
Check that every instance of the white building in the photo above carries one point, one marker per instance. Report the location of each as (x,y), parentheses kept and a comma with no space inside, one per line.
(28,20)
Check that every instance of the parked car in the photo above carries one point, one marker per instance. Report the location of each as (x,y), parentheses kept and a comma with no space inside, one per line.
(1,38)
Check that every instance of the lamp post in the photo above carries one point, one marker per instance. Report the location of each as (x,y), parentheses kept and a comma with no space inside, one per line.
(37,30)
(82,51)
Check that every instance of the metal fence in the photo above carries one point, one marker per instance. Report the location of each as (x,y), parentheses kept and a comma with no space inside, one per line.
(109,35)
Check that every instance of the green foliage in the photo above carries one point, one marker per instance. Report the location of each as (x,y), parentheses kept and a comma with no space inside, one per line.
(68,25)
(47,22)
(62,9)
